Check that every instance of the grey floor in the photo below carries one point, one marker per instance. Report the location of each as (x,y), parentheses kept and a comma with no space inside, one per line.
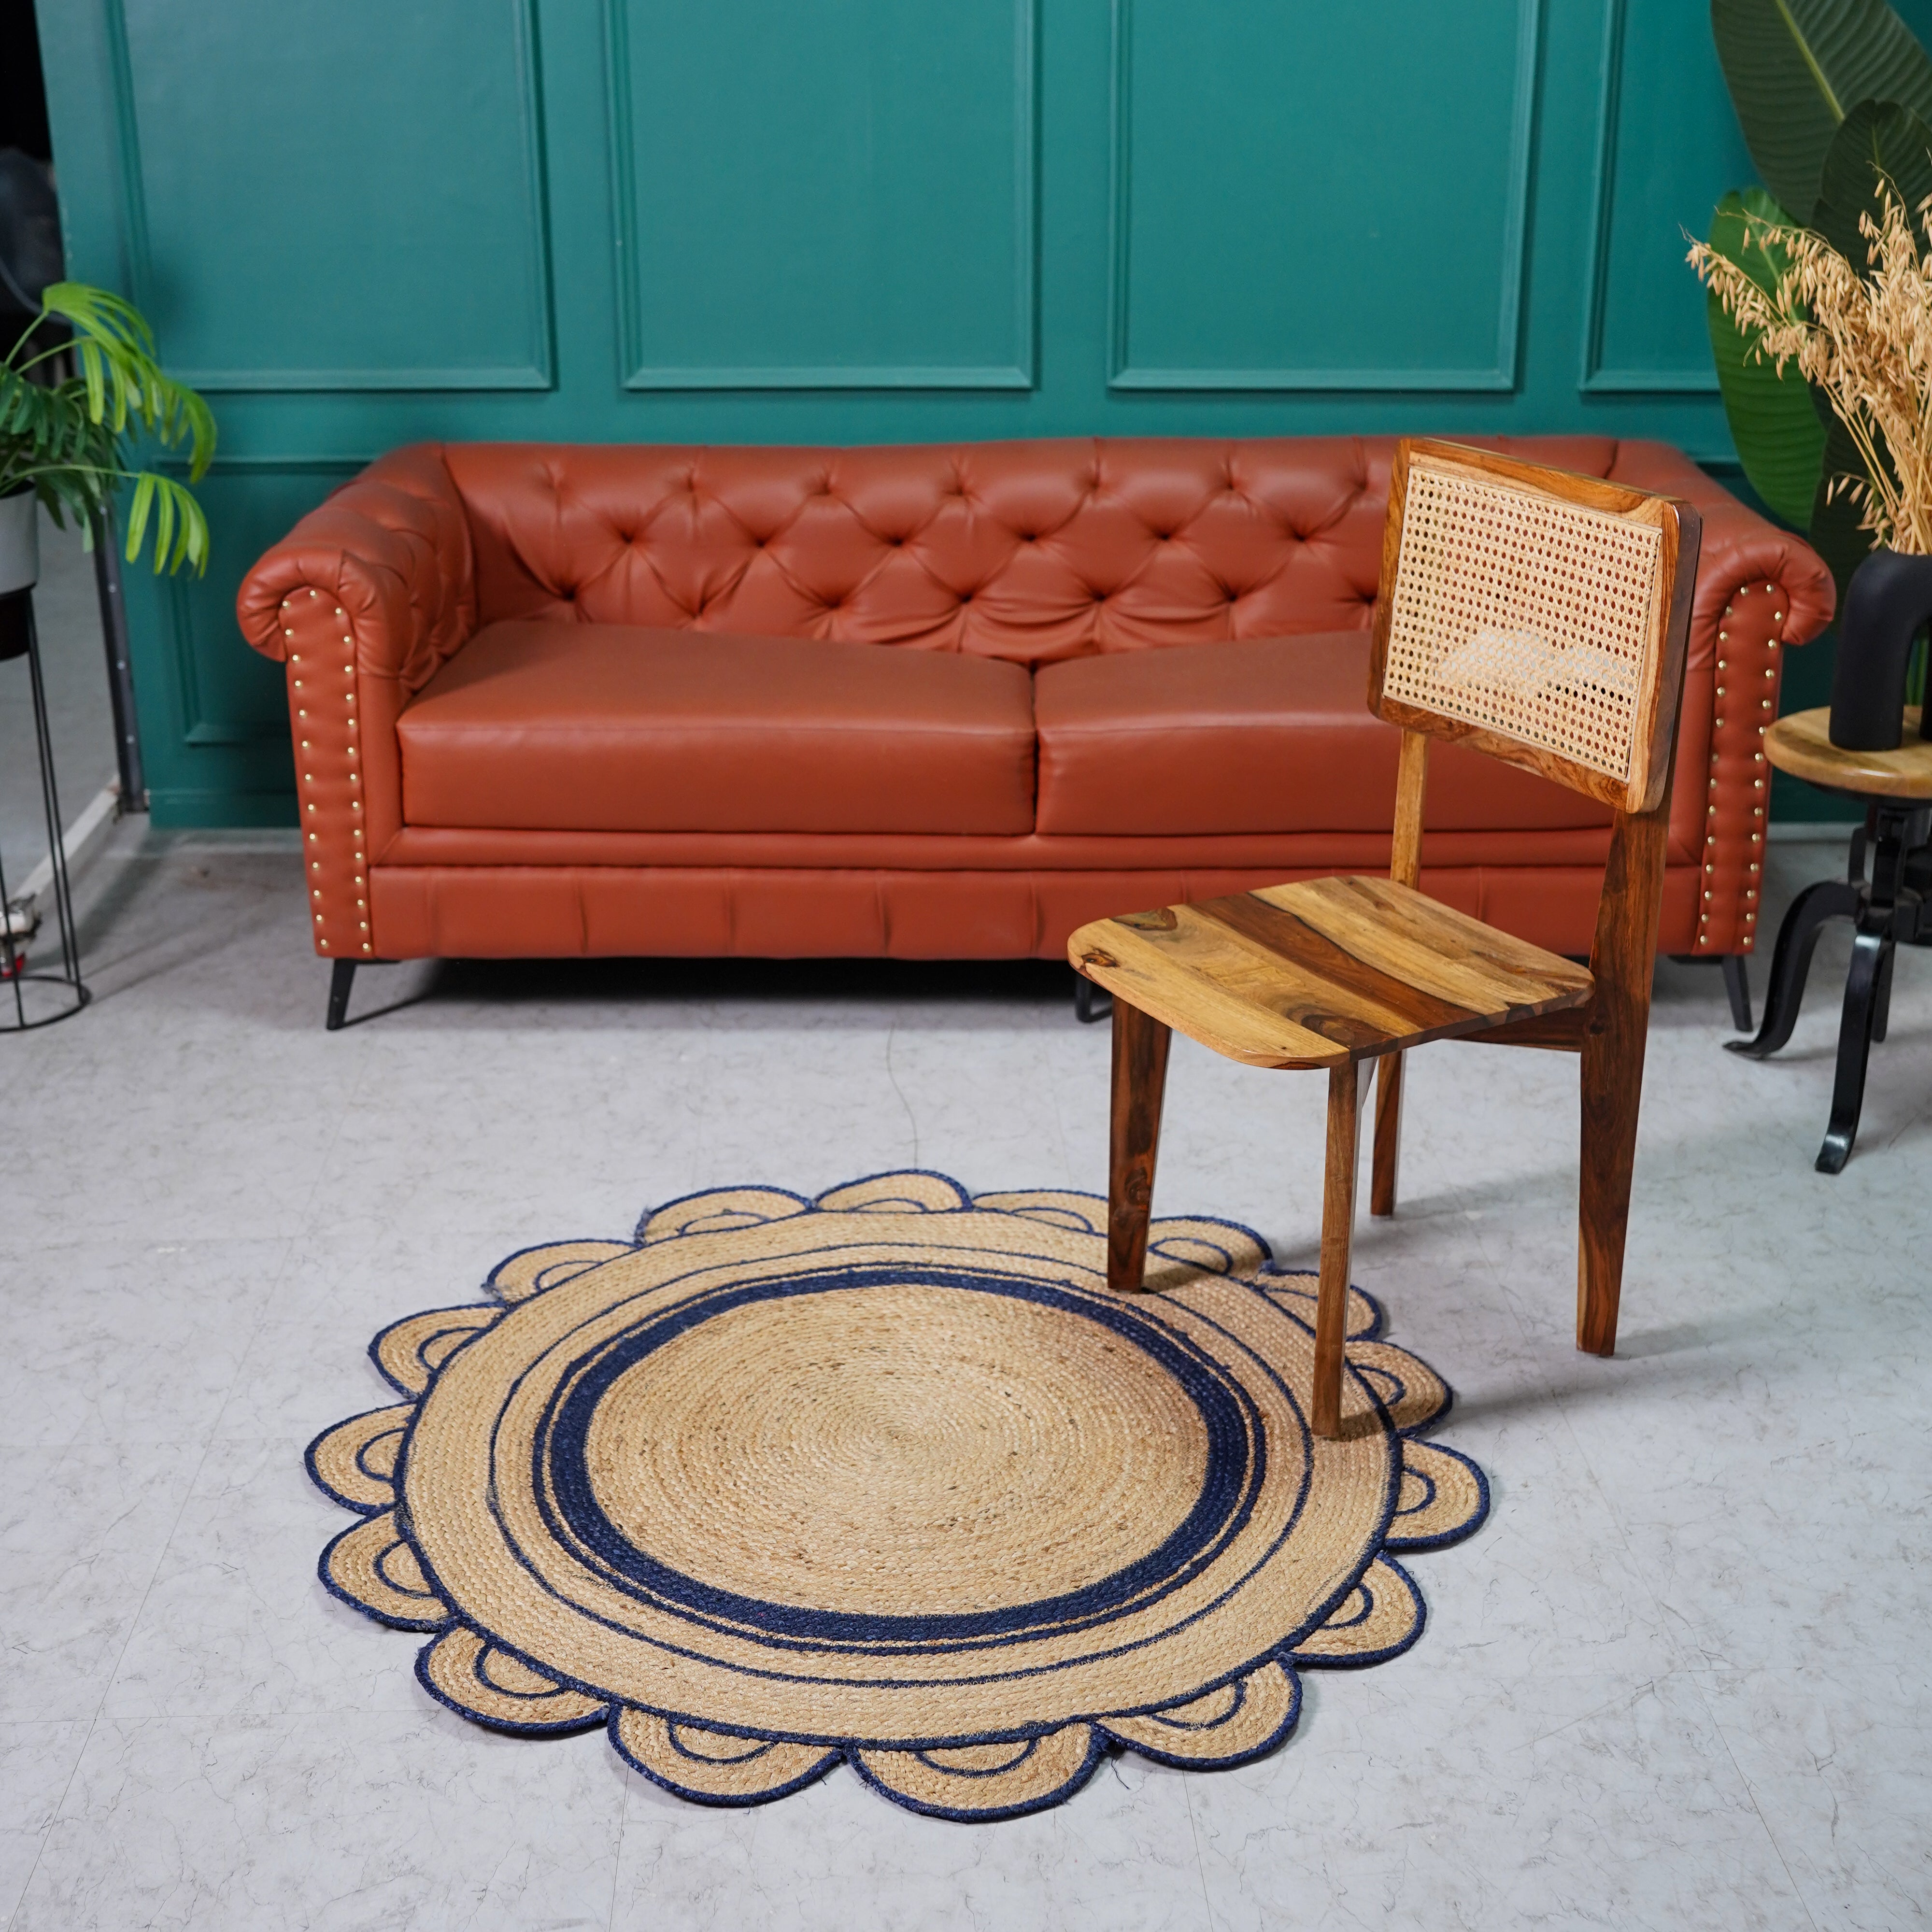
(1679,1680)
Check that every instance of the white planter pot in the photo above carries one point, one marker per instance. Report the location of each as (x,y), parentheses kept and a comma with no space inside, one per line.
(19,543)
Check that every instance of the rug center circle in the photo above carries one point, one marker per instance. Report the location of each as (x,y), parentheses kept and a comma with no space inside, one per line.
(883,1452)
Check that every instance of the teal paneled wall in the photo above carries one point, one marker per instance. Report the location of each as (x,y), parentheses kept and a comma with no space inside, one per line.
(1667,147)
(839,196)
(299,219)
(358,224)
(1255,244)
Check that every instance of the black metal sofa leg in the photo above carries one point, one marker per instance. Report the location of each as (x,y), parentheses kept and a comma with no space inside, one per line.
(342,976)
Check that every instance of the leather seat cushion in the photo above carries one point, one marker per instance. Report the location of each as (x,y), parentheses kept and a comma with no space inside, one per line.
(1268,735)
(594,727)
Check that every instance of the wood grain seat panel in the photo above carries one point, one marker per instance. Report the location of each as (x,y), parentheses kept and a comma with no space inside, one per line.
(1325,972)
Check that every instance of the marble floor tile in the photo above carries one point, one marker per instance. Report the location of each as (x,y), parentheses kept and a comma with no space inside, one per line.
(235,1623)
(83,1313)
(1123,1854)
(342,1823)
(36,1762)
(307,1364)
(509,1129)
(137,1138)
(1548,1585)
(1424,1794)
(146,1124)
(1776,1552)
(1838,1759)
(82,1531)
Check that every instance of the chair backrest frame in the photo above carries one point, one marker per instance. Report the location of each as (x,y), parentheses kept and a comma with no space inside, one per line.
(1640,787)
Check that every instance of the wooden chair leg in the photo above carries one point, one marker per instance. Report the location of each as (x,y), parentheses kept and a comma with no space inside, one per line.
(1345,1091)
(1612,1084)
(1612,1075)
(1388,1134)
(1140,1080)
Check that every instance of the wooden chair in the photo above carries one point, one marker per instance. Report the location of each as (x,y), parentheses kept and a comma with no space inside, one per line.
(1541,618)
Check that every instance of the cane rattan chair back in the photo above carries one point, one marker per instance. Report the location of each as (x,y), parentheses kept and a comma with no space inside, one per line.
(1530,613)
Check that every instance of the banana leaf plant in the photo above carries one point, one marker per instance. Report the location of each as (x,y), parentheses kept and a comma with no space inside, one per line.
(1834,97)
(67,437)
(1779,437)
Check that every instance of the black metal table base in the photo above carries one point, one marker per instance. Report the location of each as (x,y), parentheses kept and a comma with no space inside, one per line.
(1893,909)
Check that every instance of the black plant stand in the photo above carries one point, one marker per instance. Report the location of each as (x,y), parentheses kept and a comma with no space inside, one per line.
(29,999)
(1893,908)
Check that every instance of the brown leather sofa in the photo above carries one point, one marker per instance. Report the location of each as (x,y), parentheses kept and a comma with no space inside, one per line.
(942,701)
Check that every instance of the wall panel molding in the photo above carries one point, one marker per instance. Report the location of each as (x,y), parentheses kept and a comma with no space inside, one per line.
(1500,374)
(185,599)
(641,373)
(535,372)
(1597,377)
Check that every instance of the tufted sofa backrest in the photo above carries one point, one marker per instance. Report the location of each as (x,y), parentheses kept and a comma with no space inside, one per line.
(1032,551)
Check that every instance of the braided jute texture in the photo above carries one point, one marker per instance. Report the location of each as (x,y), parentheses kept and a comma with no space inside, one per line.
(889,1477)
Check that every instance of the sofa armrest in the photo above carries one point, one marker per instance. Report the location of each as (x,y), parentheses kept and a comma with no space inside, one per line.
(362,601)
(1758,588)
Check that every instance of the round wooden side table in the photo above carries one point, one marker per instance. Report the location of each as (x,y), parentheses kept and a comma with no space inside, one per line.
(1893,908)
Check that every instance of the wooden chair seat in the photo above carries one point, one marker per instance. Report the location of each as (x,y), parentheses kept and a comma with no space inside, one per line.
(1325,972)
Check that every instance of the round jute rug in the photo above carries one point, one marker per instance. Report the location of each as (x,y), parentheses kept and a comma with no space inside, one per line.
(889,1477)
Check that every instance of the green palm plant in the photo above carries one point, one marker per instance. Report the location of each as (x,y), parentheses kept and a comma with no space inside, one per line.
(66,439)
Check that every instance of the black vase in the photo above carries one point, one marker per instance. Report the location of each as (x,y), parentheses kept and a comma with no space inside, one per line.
(1890,598)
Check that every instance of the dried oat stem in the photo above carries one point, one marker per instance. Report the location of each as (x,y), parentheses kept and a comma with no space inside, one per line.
(1864,337)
